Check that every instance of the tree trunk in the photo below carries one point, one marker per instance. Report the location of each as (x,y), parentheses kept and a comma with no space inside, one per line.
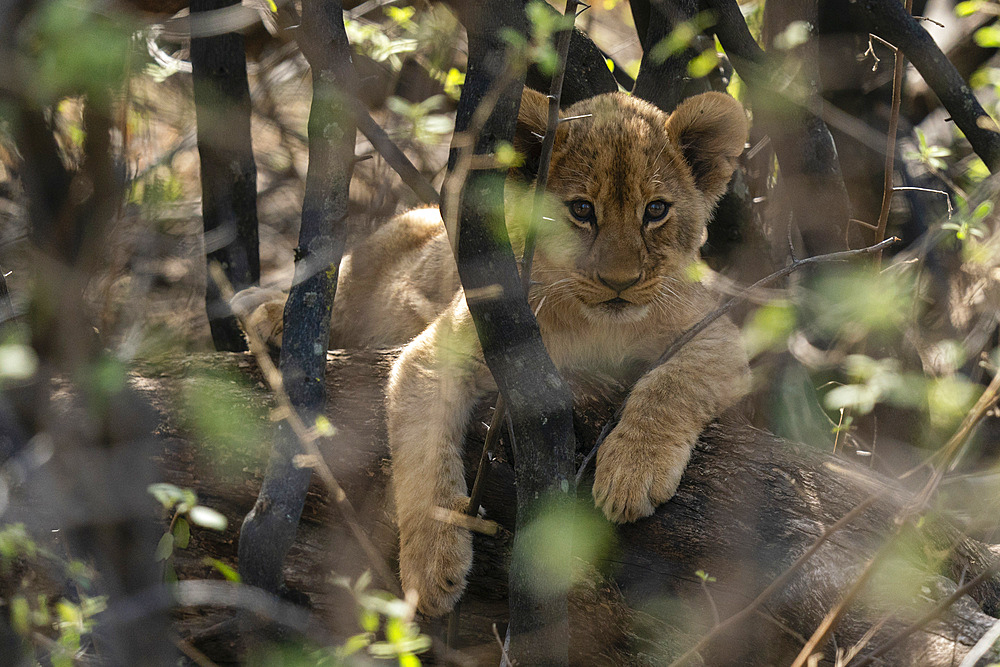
(748,506)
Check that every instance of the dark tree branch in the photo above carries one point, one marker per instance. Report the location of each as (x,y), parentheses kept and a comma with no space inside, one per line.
(392,154)
(803,143)
(589,75)
(269,529)
(538,400)
(665,81)
(889,20)
(228,171)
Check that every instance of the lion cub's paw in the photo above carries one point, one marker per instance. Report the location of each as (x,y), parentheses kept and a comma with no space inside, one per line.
(434,559)
(263,309)
(632,480)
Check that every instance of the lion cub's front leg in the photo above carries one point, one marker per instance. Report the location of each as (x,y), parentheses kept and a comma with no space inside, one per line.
(640,463)
(434,385)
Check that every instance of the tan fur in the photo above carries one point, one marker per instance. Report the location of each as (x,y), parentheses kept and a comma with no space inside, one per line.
(624,156)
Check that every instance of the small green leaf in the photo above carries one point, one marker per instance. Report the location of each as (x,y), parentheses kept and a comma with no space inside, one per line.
(967,7)
(507,156)
(165,547)
(206,517)
(702,64)
(988,36)
(226,571)
(395,630)
(369,620)
(356,642)
(20,614)
(182,533)
(167,495)
(324,427)
(408,660)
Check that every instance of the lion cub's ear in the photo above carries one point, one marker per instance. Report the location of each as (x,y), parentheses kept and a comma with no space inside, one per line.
(711,130)
(532,118)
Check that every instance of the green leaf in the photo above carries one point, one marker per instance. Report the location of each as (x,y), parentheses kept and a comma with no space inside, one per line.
(182,533)
(988,36)
(408,660)
(967,7)
(983,210)
(167,495)
(20,613)
(703,63)
(165,547)
(507,156)
(324,427)
(395,630)
(369,620)
(206,517)
(355,643)
(226,571)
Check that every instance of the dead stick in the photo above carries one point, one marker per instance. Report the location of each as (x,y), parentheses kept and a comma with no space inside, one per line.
(890,141)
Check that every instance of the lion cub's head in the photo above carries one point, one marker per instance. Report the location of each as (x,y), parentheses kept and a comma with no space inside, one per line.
(630,190)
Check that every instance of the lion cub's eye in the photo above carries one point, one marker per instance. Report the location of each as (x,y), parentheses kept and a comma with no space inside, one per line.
(582,210)
(656,211)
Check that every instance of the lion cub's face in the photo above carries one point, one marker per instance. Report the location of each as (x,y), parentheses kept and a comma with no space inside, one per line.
(630,190)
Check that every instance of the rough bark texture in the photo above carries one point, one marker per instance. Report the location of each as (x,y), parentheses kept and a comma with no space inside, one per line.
(538,400)
(268,531)
(748,506)
(228,171)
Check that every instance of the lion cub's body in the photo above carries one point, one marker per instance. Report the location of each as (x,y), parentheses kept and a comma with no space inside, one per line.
(612,290)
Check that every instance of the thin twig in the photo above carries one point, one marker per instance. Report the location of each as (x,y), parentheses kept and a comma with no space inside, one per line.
(947,197)
(192,653)
(306,436)
(890,142)
(505,659)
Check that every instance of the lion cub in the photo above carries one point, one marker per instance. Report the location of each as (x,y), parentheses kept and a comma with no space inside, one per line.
(631,191)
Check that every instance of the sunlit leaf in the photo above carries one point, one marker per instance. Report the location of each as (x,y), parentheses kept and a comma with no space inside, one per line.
(20,614)
(988,37)
(356,643)
(17,362)
(206,517)
(226,571)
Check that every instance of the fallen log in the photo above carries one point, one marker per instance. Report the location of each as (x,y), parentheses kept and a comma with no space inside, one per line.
(750,504)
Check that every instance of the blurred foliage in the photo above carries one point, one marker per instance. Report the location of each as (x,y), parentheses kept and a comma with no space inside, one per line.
(64,621)
(565,544)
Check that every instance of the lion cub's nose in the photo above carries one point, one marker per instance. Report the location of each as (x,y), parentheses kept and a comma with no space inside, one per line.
(619,283)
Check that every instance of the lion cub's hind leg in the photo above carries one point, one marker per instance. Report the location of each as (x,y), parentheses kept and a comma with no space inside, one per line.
(262,308)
